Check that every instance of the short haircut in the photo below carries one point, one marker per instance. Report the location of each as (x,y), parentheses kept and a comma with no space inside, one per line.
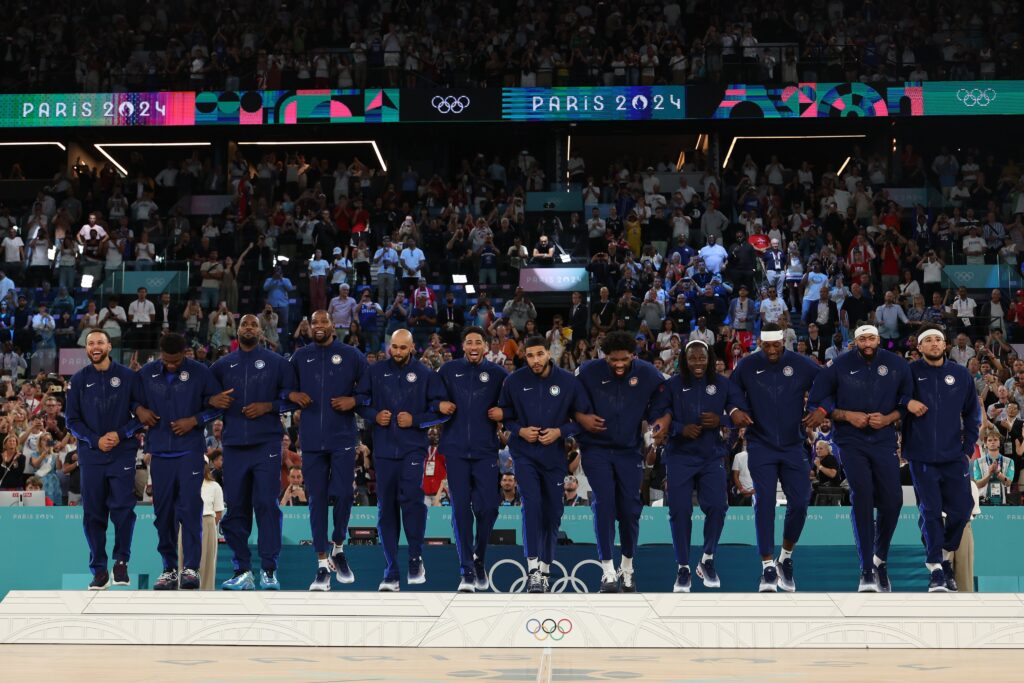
(536,340)
(473,329)
(98,330)
(618,341)
(172,344)
(771,327)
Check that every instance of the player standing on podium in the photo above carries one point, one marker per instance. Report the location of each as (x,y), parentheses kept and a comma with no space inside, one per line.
(619,391)
(868,391)
(328,374)
(259,381)
(938,441)
(469,441)
(404,402)
(774,382)
(99,414)
(538,403)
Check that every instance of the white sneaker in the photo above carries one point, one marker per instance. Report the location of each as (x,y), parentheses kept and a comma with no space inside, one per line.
(466,585)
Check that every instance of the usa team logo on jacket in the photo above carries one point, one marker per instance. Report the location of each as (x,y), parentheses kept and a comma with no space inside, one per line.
(882,371)
(260,364)
(116,382)
(555,390)
(712,390)
(183,376)
(950,380)
(485,377)
(336,359)
(788,371)
(411,377)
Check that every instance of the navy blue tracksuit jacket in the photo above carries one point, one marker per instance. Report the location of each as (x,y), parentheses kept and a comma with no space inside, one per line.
(324,372)
(186,394)
(257,376)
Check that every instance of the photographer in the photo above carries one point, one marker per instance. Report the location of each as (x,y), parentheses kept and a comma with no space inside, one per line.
(295,493)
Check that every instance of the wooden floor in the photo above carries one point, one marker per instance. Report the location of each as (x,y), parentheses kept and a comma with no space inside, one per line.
(181,664)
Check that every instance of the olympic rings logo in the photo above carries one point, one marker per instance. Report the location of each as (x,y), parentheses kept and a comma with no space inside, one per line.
(548,628)
(567,580)
(981,97)
(450,104)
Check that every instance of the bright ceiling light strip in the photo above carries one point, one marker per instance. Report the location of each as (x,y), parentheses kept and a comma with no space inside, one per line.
(100,146)
(568,156)
(279,143)
(32,144)
(843,167)
(732,145)
(697,146)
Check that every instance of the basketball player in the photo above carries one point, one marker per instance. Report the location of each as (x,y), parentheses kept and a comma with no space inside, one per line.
(259,381)
(328,374)
(867,391)
(405,398)
(773,383)
(180,395)
(695,401)
(99,414)
(619,390)
(469,442)
(538,403)
(938,440)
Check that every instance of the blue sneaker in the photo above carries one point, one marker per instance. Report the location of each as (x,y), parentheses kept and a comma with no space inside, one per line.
(947,570)
(868,583)
(786,581)
(706,572)
(769,580)
(342,571)
(241,581)
(683,581)
(882,574)
(268,580)
(937,582)
(389,585)
(417,573)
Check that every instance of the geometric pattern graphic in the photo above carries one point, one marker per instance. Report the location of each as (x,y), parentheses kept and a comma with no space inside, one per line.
(290,107)
(491,620)
(821,100)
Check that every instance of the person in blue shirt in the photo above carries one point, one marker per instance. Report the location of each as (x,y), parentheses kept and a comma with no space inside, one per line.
(469,442)
(100,402)
(939,434)
(773,383)
(694,401)
(401,397)
(258,381)
(179,396)
(618,391)
(538,403)
(279,289)
(867,393)
(328,374)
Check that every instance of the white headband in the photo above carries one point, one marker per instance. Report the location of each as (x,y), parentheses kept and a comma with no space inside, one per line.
(696,341)
(930,333)
(773,336)
(865,330)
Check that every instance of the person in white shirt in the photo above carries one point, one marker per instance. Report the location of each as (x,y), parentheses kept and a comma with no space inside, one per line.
(743,484)
(412,260)
(141,314)
(964,307)
(14,252)
(714,255)
(974,247)
(86,230)
(112,318)
(318,267)
(43,325)
(213,510)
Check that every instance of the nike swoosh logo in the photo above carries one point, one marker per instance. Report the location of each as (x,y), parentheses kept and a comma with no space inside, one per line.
(234,365)
(458,375)
(605,381)
(128,468)
(195,473)
(759,371)
(156,375)
(854,372)
(527,388)
(687,389)
(308,360)
(350,448)
(921,379)
(388,374)
(414,463)
(967,475)
(274,455)
(90,385)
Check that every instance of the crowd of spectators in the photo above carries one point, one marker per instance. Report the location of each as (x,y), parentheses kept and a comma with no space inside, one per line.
(108,45)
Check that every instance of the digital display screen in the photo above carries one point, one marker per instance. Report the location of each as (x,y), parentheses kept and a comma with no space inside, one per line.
(625,103)
(554,279)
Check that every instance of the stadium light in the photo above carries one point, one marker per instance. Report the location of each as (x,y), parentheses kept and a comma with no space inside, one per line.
(33,144)
(279,143)
(736,139)
(843,167)
(101,148)
(459,279)
(87,281)
(280,259)
(470,289)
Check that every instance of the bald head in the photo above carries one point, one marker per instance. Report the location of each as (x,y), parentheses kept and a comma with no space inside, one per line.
(402,346)
(323,328)
(249,331)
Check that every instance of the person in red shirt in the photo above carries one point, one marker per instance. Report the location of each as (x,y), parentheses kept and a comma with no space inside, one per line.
(434,470)
(1016,316)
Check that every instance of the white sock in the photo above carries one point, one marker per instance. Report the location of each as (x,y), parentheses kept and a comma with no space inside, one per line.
(322,564)
(879,561)
(684,566)
(626,564)
(545,568)
(705,557)
(785,555)
(947,555)
(338,550)
(767,563)
(608,566)
(531,563)
(932,566)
